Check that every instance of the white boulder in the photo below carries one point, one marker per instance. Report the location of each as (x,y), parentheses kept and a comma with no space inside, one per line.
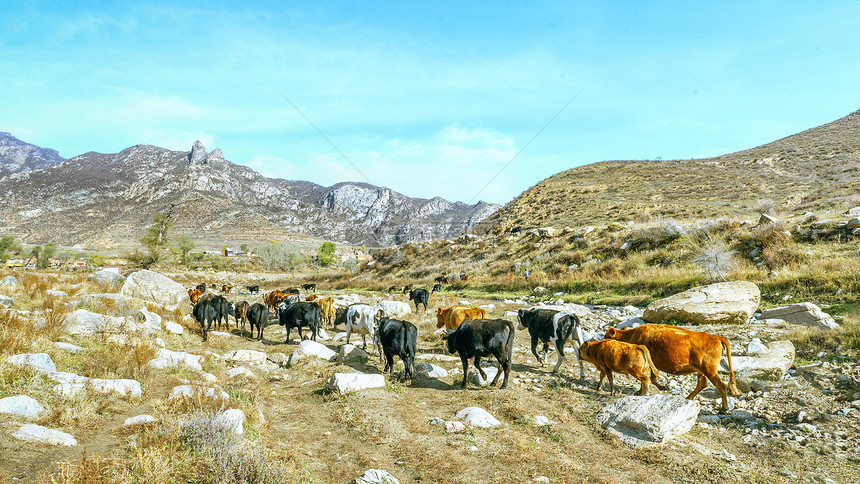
(40,362)
(807,314)
(475,376)
(311,348)
(139,420)
(9,281)
(646,421)
(350,353)
(108,279)
(43,435)
(248,356)
(173,328)
(233,420)
(344,383)
(166,359)
(241,373)
(478,417)
(157,288)
(21,405)
(149,319)
(430,370)
(770,364)
(720,303)
(68,347)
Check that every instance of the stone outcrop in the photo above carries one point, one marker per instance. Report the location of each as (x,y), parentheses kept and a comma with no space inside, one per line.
(720,303)
(157,288)
(344,383)
(807,314)
(648,421)
(108,279)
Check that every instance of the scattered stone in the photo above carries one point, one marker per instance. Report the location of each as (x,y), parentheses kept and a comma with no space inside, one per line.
(44,435)
(248,356)
(21,405)
(241,373)
(430,370)
(123,387)
(157,288)
(349,353)
(83,322)
(138,420)
(720,303)
(770,365)
(188,391)
(376,476)
(108,279)
(232,420)
(311,348)
(541,420)
(437,357)
(9,281)
(68,347)
(279,359)
(173,328)
(807,314)
(344,383)
(766,219)
(652,420)
(6,301)
(475,377)
(166,358)
(454,427)
(149,319)
(538,290)
(755,346)
(40,362)
(477,417)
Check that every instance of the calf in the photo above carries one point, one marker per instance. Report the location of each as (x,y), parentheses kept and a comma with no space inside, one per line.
(327,312)
(204,312)
(419,296)
(483,337)
(240,311)
(364,319)
(398,338)
(609,355)
(436,288)
(309,287)
(258,317)
(451,318)
(194,294)
(253,289)
(681,351)
(551,326)
(226,288)
(297,315)
(274,298)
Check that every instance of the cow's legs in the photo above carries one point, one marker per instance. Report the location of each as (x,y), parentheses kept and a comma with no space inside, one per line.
(611,384)
(559,346)
(389,364)
(534,349)
(465,361)
(480,370)
(721,387)
(700,385)
(600,381)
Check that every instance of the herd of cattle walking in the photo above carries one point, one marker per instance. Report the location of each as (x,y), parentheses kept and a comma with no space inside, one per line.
(641,352)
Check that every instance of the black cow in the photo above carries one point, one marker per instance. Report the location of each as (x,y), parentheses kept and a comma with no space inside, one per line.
(551,326)
(398,338)
(300,314)
(201,288)
(204,312)
(407,288)
(253,289)
(442,279)
(419,296)
(436,288)
(223,311)
(309,287)
(292,290)
(483,337)
(258,317)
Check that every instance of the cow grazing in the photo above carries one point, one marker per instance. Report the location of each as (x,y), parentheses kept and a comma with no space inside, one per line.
(274,298)
(226,288)
(204,312)
(363,319)
(240,312)
(451,318)
(309,287)
(419,296)
(194,294)
(407,288)
(609,355)
(327,312)
(223,310)
(297,315)
(436,288)
(443,279)
(201,288)
(258,317)
(551,326)
(398,338)
(483,337)
(681,351)
(311,298)
(253,289)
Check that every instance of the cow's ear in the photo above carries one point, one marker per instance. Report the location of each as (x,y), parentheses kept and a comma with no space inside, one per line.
(447,334)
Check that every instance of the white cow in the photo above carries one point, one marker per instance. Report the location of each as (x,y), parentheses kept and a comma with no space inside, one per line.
(364,319)
(395,309)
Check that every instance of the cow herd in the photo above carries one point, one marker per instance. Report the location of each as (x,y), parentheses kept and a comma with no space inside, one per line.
(640,352)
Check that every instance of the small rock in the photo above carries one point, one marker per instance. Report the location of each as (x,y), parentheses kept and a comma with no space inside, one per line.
(138,420)
(349,353)
(44,435)
(311,348)
(21,405)
(454,427)
(40,362)
(68,347)
(241,373)
(248,356)
(232,419)
(430,370)
(376,476)
(477,417)
(541,420)
(188,391)
(755,346)
(9,281)
(173,328)
(344,383)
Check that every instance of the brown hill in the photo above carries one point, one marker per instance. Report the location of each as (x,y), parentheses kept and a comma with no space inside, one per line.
(817,169)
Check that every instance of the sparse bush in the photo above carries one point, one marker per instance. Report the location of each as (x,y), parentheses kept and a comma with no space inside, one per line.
(765,206)
(713,257)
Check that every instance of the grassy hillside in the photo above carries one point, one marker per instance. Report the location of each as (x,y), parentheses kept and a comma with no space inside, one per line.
(818,169)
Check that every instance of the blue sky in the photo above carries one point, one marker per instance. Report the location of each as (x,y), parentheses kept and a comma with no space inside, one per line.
(427,98)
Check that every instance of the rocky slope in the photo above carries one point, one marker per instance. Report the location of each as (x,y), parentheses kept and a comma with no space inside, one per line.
(17,156)
(110,198)
(812,170)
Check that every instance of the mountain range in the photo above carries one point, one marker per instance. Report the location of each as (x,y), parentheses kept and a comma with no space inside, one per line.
(109,199)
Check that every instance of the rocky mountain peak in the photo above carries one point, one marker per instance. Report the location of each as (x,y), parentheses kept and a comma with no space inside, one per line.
(198,154)
(216,156)
(17,156)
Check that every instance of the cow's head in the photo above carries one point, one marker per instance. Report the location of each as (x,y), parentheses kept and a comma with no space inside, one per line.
(611,333)
(440,318)
(451,338)
(583,350)
(521,319)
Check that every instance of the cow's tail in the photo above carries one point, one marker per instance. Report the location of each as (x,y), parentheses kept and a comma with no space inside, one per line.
(647,355)
(733,386)
(510,348)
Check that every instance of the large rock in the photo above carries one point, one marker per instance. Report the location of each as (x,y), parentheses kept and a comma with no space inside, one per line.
(149,319)
(770,364)
(646,421)
(720,303)
(344,383)
(166,359)
(43,435)
(311,348)
(478,417)
(157,288)
(21,405)
(350,353)
(430,370)
(233,420)
(475,377)
(83,322)
(123,387)
(40,362)
(376,476)
(248,356)
(807,314)
(108,279)
(139,420)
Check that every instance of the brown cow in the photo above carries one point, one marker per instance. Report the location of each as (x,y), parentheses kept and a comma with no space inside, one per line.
(272,299)
(311,298)
(194,294)
(681,351)
(240,310)
(327,311)
(609,355)
(451,318)
(226,288)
